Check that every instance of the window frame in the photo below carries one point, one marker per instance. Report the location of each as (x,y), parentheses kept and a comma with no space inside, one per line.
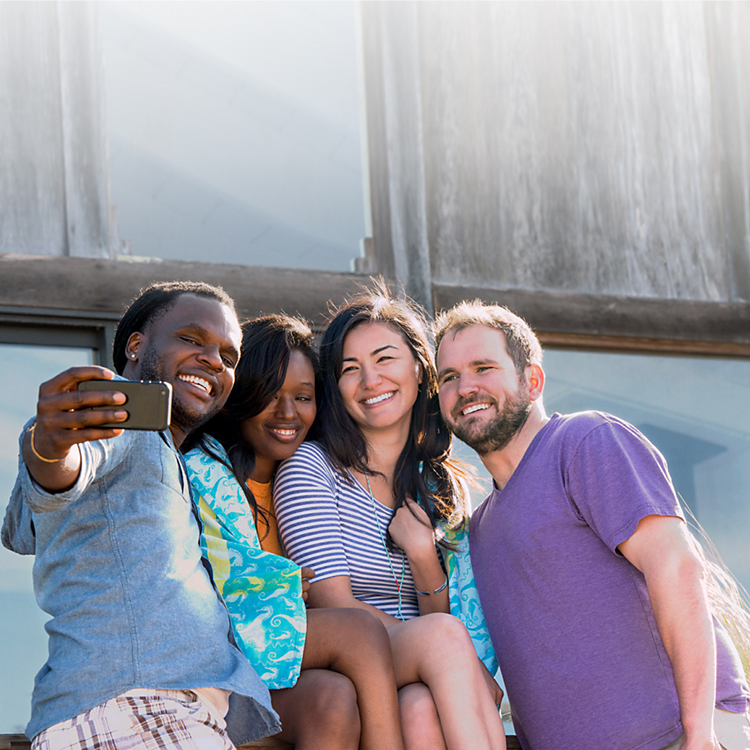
(46,327)
(611,323)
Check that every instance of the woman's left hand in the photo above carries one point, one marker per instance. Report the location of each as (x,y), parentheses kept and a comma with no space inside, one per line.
(495,690)
(411,530)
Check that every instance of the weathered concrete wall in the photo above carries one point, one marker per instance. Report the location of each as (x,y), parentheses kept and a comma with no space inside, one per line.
(576,147)
(54,183)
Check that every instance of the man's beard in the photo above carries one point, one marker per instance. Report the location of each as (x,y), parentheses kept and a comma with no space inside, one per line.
(183,417)
(493,435)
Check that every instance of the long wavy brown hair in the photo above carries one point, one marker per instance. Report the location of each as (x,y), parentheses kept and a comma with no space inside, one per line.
(425,470)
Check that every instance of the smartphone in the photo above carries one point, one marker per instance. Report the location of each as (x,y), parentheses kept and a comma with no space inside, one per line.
(149,404)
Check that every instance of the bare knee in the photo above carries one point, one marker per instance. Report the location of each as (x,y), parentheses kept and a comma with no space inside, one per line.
(416,704)
(334,700)
(419,718)
(345,640)
(446,633)
(363,621)
(321,711)
(365,629)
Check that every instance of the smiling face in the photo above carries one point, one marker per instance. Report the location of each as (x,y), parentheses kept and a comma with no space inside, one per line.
(194,346)
(482,399)
(379,379)
(277,432)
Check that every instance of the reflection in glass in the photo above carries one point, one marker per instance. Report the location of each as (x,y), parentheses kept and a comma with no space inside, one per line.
(696,410)
(234,131)
(23,642)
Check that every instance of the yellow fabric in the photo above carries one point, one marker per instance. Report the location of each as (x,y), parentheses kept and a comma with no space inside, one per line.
(264,497)
(217,551)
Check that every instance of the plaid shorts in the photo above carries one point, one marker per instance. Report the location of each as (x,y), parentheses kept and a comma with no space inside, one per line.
(151,719)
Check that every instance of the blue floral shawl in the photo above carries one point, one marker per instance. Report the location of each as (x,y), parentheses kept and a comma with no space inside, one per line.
(262,591)
(463,594)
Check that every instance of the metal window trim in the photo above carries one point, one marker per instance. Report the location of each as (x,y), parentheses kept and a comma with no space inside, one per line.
(35,326)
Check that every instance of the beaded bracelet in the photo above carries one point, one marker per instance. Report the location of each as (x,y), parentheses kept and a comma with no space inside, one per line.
(436,591)
(36,452)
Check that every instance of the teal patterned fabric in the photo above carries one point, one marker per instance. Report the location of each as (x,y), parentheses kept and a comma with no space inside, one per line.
(464,597)
(262,591)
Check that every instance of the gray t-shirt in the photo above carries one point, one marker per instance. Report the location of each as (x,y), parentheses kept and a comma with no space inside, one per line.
(569,617)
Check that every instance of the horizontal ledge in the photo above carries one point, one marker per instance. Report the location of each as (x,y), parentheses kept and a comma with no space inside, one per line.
(41,286)
(624,323)
(106,287)
(19,742)
(643,344)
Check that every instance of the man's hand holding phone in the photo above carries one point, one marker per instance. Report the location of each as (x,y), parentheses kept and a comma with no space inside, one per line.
(65,417)
(148,404)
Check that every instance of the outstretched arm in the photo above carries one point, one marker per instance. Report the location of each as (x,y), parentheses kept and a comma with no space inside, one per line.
(63,420)
(662,549)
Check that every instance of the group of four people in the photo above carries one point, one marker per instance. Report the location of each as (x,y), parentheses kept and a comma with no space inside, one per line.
(170,590)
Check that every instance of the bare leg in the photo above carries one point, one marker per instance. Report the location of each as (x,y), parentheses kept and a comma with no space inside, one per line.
(354,643)
(420,722)
(436,649)
(319,713)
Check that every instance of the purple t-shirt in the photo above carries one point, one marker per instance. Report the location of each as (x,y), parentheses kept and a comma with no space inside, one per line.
(570,617)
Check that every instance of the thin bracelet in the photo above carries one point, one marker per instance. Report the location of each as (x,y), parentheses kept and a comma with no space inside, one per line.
(436,591)
(36,452)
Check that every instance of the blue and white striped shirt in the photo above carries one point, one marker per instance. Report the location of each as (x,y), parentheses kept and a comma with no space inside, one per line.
(328,522)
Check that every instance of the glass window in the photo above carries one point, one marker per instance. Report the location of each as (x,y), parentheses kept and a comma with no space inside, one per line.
(696,410)
(234,131)
(23,642)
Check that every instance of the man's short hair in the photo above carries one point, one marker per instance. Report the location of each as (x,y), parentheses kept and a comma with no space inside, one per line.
(520,341)
(151,304)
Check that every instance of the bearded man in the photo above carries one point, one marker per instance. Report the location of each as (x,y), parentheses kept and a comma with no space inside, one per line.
(593,589)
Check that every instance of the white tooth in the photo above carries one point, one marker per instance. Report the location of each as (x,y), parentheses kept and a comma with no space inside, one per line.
(476,407)
(200,382)
(377,399)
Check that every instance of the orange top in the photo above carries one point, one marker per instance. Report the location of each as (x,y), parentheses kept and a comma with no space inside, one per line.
(264,497)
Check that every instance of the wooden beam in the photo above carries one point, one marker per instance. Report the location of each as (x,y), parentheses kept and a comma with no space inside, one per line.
(83,131)
(20,742)
(400,249)
(32,178)
(54,182)
(643,344)
(107,286)
(103,288)
(378,254)
(620,323)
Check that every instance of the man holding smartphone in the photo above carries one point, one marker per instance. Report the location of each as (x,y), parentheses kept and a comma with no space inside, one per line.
(140,649)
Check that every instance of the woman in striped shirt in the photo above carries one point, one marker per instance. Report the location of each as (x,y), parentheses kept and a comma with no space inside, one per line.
(365,505)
